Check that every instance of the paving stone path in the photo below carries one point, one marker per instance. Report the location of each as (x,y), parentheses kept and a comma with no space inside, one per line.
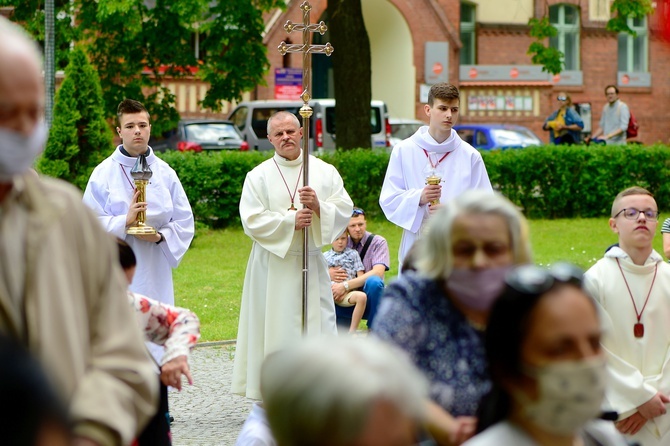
(207,414)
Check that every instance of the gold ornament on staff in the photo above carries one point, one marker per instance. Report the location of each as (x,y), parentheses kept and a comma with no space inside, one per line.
(141,173)
(306,112)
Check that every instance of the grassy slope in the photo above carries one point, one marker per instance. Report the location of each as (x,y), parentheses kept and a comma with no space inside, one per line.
(209,279)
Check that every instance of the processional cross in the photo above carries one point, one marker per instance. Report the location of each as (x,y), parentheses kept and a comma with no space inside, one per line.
(307,49)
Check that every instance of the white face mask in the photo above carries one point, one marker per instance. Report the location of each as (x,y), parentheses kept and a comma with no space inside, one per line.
(18,152)
(570,394)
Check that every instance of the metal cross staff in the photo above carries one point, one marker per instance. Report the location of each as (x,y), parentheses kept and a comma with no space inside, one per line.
(306,112)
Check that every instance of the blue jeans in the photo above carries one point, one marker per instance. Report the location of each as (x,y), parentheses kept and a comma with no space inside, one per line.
(373,288)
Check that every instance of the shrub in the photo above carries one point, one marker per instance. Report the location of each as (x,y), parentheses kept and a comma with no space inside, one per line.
(213,182)
(577,181)
(79,138)
(362,171)
(547,181)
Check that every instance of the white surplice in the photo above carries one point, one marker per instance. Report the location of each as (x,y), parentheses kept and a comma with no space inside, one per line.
(462,169)
(109,192)
(271,308)
(638,367)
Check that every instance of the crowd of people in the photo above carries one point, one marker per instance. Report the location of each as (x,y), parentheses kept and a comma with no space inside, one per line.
(471,344)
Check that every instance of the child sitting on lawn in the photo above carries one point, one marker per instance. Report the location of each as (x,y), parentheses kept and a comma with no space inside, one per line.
(349,260)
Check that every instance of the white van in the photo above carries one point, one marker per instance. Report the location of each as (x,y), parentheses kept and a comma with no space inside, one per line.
(251,119)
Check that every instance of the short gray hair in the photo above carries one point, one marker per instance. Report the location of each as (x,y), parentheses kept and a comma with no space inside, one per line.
(434,257)
(282,114)
(320,391)
(14,38)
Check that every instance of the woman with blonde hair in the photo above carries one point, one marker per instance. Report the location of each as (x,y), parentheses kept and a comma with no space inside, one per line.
(439,312)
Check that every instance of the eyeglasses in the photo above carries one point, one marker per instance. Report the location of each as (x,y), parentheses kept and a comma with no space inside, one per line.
(632,214)
(531,279)
(562,98)
(357,211)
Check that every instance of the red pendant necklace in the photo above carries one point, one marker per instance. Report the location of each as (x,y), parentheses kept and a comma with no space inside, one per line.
(295,189)
(638,328)
(439,161)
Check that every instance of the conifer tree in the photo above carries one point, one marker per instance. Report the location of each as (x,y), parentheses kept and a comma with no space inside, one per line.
(79,138)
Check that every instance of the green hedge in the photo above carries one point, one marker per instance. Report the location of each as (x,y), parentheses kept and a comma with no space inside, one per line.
(547,181)
(577,181)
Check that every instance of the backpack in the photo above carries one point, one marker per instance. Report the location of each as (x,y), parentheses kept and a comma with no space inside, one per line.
(633,126)
(631,131)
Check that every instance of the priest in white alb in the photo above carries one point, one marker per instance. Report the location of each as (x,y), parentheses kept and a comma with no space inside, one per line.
(434,151)
(272,214)
(631,287)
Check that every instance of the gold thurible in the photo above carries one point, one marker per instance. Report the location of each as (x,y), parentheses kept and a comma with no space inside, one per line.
(141,173)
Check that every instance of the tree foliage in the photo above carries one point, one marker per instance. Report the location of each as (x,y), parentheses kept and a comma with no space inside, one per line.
(541,29)
(136,44)
(622,10)
(550,58)
(79,138)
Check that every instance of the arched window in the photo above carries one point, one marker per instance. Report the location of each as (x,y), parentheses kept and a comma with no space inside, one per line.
(566,20)
(634,50)
(468,35)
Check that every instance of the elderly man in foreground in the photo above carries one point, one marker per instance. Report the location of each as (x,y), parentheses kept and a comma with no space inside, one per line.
(62,293)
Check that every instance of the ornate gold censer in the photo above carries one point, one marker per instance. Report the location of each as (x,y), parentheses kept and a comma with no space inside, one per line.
(141,173)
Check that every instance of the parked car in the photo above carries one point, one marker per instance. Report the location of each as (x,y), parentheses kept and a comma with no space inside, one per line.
(251,119)
(497,136)
(200,134)
(403,129)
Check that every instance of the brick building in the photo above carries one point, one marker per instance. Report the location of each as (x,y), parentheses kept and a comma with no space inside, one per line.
(481,46)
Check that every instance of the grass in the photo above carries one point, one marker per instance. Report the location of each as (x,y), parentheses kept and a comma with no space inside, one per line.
(210,277)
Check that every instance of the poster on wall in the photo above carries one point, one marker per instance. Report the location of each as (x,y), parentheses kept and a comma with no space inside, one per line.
(500,103)
(288,83)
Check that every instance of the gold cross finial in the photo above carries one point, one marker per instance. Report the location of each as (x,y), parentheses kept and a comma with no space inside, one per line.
(305,47)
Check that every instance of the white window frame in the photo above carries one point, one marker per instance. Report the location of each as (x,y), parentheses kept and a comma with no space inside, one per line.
(469,28)
(568,28)
(642,33)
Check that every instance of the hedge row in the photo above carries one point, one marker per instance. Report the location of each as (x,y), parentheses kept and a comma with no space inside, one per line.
(546,182)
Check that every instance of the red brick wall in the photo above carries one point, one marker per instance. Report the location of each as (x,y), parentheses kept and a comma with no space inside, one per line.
(438,20)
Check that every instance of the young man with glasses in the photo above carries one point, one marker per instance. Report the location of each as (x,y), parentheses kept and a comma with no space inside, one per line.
(630,286)
(564,125)
(613,120)
(374,252)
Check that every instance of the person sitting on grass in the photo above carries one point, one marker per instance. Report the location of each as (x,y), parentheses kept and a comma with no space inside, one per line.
(349,260)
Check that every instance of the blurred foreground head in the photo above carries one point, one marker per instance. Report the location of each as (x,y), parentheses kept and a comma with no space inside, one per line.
(342,392)
(21,82)
(437,254)
(22,130)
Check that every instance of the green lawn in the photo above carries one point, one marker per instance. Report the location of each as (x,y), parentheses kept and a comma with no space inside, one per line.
(209,279)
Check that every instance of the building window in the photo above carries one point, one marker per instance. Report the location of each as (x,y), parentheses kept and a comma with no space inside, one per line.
(468,37)
(633,50)
(566,20)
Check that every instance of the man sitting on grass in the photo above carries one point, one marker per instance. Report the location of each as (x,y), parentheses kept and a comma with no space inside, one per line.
(374,252)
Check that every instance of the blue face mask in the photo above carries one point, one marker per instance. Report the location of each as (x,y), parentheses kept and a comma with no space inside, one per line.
(18,152)
(477,289)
